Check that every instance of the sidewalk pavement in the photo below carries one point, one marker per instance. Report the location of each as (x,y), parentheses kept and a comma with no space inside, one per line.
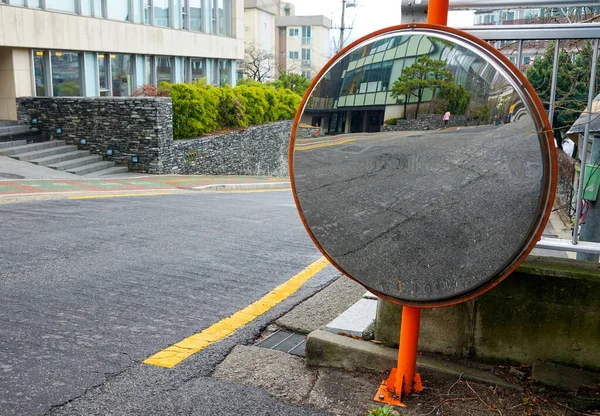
(22,179)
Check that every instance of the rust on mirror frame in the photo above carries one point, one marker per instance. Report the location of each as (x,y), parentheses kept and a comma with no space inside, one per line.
(433,172)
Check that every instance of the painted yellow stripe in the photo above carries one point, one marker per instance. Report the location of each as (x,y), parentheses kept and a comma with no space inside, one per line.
(316,146)
(176,353)
(120,195)
(249,191)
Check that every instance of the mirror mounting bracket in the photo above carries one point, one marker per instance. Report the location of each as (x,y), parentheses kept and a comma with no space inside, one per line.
(414,11)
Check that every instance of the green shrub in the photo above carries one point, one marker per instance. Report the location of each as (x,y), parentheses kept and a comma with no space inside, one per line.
(392,121)
(200,109)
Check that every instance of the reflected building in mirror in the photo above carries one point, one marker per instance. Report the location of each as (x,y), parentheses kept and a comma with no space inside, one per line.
(407,77)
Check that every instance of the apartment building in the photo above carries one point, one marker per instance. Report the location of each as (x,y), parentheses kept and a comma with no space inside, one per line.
(111,47)
(297,44)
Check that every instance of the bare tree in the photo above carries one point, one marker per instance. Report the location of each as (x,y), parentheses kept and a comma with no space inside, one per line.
(258,63)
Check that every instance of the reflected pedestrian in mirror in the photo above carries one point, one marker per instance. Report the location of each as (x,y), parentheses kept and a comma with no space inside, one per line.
(446,118)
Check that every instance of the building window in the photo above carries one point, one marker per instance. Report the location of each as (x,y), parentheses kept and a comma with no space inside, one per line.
(195,11)
(306,74)
(164,69)
(198,69)
(305,54)
(224,17)
(40,63)
(306,35)
(66,73)
(286,11)
(103,74)
(224,69)
(293,55)
(118,10)
(161,13)
(148,12)
(34,4)
(62,5)
(121,68)
(294,32)
(17,2)
(150,70)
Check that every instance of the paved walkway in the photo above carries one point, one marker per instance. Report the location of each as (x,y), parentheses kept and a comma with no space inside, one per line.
(141,183)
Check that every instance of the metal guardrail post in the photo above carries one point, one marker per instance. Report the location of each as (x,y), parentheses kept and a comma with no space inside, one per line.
(554,81)
(586,136)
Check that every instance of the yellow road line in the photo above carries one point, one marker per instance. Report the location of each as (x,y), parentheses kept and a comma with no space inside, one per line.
(249,191)
(316,146)
(176,353)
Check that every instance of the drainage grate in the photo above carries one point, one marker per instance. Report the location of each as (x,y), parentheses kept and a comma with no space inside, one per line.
(285,341)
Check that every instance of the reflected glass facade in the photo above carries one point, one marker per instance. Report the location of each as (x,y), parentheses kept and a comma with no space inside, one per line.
(40,63)
(66,73)
(122,74)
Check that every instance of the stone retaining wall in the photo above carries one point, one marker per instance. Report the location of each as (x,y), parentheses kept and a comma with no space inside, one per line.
(547,310)
(426,122)
(260,150)
(138,126)
(143,127)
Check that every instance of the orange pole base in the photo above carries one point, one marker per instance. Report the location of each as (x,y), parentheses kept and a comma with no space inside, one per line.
(403,381)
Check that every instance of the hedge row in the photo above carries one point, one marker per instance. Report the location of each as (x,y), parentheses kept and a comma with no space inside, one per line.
(199,109)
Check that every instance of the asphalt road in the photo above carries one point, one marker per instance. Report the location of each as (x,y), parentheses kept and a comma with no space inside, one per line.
(91,288)
(428,215)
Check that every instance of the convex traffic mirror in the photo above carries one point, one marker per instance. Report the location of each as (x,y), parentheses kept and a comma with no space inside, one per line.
(423,165)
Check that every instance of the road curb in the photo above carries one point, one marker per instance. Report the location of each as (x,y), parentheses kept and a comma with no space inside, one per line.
(244,186)
(324,349)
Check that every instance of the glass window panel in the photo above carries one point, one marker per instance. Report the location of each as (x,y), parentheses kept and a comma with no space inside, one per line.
(150,70)
(98,9)
(163,69)
(35,4)
(122,74)
(198,69)
(86,7)
(39,69)
(17,3)
(147,12)
(224,17)
(102,74)
(118,10)
(196,15)
(161,13)
(213,16)
(224,67)
(61,5)
(66,73)
(137,11)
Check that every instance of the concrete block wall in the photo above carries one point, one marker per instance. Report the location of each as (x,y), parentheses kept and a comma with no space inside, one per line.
(548,310)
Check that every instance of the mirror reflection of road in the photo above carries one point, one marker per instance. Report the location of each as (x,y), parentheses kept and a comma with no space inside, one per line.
(421,215)
(91,288)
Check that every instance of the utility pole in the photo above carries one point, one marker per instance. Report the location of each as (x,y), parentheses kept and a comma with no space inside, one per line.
(342,25)
(345,3)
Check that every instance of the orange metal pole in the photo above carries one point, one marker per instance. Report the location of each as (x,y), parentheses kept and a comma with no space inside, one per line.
(407,350)
(437,12)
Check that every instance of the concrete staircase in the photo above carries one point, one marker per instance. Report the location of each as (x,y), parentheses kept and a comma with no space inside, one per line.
(22,143)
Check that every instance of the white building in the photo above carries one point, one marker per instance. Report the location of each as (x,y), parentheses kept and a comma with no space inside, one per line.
(111,47)
(297,44)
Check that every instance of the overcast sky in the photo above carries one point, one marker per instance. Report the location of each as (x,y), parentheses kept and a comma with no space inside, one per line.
(369,15)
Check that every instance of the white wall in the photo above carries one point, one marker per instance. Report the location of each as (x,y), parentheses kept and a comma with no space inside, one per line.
(29,28)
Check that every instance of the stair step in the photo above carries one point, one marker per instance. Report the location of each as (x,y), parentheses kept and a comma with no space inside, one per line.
(94,167)
(75,163)
(31,135)
(110,171)
(14,129)
(14,143)
(37,154)
(61,157)
(8,123)
(31,147)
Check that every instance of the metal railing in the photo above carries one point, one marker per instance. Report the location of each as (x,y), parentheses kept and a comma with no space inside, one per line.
(522,33)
